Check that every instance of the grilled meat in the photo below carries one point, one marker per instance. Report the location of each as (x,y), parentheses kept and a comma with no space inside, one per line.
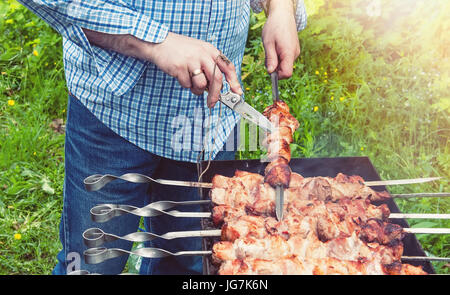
(329,225)
(275,247)
(323,266)
(250,191)
(278,172)
(324,224)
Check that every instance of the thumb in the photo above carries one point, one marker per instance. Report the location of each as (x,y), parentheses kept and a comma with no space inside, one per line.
(271,57)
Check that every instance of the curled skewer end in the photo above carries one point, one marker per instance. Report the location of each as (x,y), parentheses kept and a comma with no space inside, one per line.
(93,237)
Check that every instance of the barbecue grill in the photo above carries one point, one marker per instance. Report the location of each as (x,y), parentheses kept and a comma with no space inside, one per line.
(310,167)
(328,167)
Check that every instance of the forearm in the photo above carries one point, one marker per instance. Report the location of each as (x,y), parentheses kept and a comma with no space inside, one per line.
(287,5)
(124,44)
(110,17)
(298,6)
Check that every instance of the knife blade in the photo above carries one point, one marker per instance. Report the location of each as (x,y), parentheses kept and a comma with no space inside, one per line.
(279,202)
(236,103)
(279,190)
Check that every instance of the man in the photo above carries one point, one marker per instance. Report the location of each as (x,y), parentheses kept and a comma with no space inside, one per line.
(136,71)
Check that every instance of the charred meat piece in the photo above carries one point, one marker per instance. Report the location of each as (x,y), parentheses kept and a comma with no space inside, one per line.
(375,230)
(278,172)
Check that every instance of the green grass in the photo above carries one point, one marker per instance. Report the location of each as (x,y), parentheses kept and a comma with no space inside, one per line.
(31,154)
(392,72)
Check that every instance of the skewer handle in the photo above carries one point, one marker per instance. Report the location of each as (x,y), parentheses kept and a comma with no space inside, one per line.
(96,237)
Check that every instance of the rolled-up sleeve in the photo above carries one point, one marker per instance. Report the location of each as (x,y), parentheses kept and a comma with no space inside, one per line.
(300,12)
(111,17)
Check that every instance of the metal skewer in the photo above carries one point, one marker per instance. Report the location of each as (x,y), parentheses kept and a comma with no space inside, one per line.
(426,230)
(98,255)
(98,181)
(95,237)
(400,181)
(421,195)
(418,216)
(426,258)
(105,212)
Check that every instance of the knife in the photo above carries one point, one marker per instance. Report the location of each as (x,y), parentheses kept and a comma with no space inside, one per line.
(236,103)
(279,190)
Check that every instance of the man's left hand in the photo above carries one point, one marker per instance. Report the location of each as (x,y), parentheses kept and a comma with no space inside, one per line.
(280,38)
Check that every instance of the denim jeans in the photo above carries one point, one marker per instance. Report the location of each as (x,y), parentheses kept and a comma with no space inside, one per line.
(92,148)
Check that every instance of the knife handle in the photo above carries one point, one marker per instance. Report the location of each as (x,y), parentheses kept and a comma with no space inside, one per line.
(230,99)
(275,92)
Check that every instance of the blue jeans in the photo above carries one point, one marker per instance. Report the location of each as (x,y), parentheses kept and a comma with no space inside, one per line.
(92,148)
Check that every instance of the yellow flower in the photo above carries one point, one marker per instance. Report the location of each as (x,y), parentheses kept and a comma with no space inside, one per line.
(317,73)
(9,21)
(335,70)
(17,236)
(362,148)
(248,88)
(3,73)
(325,73)
(341,98)
(35,53)
(34,154)
(332,98)
(11,102)
(316,108)
(325,81)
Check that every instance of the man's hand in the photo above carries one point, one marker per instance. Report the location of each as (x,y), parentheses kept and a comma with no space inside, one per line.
(180,56)
(280,38)
(190,61)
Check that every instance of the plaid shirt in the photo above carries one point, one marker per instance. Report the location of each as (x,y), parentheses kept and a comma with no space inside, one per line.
(133,97)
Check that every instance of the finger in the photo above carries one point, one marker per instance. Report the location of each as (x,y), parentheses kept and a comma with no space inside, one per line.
(184,78)
(213,80)
(215,86)
(229,70)
(199,84)
(286,65)
(271,56)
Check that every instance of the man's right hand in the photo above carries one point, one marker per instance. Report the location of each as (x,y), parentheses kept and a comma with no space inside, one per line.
(178,56)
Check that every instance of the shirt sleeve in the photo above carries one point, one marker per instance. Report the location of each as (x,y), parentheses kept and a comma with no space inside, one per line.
(111,17)
(300,12)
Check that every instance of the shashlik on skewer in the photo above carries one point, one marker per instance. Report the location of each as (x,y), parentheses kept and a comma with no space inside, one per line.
(275,247)
(278,172)
(250,191)
(329,218)
(327,222)
(324,266)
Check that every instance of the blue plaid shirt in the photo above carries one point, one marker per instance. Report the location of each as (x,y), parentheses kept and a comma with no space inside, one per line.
(133,97)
